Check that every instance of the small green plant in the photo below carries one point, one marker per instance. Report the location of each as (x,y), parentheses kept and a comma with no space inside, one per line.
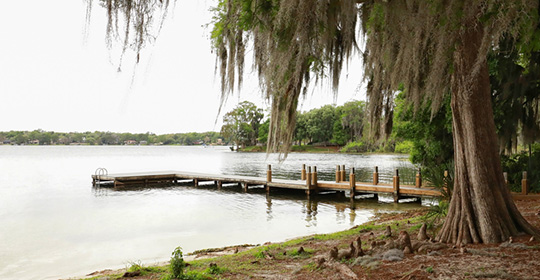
(429,269)
(260,254)
(435,175)
(135,266)
(436,213)
(177,264)
(213,269)
(300,253)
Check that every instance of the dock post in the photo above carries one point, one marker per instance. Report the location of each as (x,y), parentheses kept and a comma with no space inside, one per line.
(308,181)
(376,176)
(343,176)
(314,177)
(396,186)
(269,174)
(419,178)
(338,173)
(196,182)
(524,183)
(219,184)
(303,174)
(245,186)
(352,183)
(93,182)
(445,182)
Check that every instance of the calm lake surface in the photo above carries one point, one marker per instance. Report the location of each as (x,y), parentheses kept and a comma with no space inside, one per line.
(54,224)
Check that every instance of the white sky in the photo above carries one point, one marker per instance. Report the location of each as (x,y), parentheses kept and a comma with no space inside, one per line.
(54,78)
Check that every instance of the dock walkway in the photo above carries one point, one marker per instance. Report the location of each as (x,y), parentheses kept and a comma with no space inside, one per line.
(308,183)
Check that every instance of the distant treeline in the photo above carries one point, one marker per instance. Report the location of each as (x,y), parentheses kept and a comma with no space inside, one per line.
(40,137)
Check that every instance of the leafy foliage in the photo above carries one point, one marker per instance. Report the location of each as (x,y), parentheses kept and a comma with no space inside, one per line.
(241,125)
(528,161)
(431,136)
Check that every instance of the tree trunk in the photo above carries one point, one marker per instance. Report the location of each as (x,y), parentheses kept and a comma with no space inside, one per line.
(481,209)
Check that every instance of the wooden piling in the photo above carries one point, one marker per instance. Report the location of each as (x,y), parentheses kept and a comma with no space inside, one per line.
(338,173)
(269,173)
(419,178)
(376,176)
(245,186)
(303,174)
(219,184)
(524,183)
(196,182)
(314,177)
(343,176)
(396,186)
(308,180)
(352,183)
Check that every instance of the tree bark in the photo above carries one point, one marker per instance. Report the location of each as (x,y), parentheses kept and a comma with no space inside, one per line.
(481,209)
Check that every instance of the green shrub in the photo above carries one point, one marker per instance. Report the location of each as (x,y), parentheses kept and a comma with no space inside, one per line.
(355,147)
(404,147)
(177,264)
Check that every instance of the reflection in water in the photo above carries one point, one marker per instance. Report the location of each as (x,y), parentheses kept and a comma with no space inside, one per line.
(311,212)
(269,216)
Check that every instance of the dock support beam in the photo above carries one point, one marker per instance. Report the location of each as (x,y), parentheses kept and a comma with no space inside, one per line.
(303,174)
(352,184)
(269,174)
(309,186)
(338,173)
(343,175)
(396,186)
(219,184)
(419,178)
(196,182)
(524,183)
(376,176)
(314,177)
(245,186)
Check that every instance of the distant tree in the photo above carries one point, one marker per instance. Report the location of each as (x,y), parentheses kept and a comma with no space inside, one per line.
(301,128)
(353,118)
(320,123)
(241,125)
(263,132)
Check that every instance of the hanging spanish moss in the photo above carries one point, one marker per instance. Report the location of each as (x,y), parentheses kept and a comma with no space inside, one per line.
(412,44)
(131,22)
(292,41)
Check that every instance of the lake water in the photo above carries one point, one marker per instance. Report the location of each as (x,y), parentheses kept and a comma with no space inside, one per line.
(54,224)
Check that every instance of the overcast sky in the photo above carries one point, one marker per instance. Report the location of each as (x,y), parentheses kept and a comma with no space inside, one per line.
(53,77)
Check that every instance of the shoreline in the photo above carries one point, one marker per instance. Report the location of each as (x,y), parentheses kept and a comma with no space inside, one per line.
(282,260)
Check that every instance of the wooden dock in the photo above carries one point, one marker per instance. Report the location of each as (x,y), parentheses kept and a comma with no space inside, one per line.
(308,183)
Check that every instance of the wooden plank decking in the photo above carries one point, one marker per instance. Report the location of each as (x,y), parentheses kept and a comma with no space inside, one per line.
(149,178)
